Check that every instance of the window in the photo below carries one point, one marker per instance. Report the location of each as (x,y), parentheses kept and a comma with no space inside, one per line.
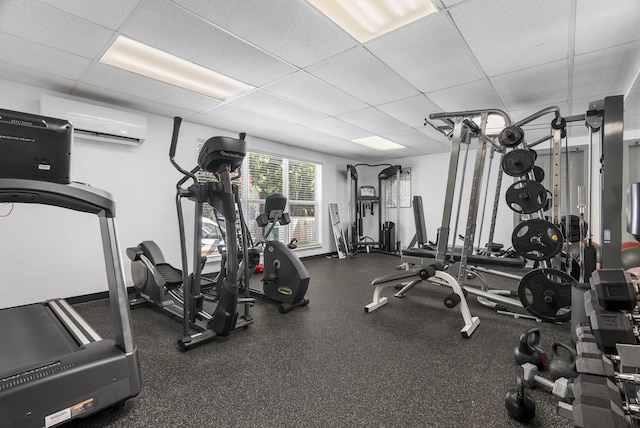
(263,175)
(297,180)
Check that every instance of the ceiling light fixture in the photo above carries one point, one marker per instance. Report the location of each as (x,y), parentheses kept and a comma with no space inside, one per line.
(368,19)
(378,143)
(151,62)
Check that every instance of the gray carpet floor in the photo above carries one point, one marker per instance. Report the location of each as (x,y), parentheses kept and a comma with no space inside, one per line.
(333,365)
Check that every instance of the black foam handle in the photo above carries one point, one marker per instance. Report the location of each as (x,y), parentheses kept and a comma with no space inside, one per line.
(177,121)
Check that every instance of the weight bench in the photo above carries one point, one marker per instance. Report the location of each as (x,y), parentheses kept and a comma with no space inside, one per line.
(434,274)
(498,300)
(423,257)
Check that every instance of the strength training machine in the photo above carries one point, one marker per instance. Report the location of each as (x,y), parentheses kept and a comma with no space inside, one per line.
(54,367)
(362,200)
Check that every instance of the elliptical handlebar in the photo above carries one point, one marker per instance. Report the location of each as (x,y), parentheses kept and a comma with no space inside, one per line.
(177,121)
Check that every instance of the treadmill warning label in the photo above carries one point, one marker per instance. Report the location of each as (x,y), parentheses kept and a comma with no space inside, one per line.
(66,414)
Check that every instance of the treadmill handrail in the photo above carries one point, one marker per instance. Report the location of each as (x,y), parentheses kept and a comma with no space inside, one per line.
(73,196)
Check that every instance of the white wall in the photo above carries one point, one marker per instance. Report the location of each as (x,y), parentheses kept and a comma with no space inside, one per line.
(429,180)
(48,252)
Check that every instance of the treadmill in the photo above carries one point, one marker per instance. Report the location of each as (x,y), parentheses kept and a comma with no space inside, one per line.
(54,367)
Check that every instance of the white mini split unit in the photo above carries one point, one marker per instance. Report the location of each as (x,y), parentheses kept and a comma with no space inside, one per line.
(97,123)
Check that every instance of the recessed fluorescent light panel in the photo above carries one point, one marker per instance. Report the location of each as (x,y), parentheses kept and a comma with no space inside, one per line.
(368,19)
(151,62)
(378,143)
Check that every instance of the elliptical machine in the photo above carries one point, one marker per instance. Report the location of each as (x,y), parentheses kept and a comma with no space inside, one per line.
(176,291)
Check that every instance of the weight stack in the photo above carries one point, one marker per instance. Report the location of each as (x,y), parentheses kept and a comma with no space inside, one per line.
(388,236)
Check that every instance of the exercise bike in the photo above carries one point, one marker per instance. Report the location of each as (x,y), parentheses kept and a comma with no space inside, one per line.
(176,291)
(285,279)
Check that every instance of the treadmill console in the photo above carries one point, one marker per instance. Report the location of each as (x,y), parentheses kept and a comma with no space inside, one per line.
(35,147)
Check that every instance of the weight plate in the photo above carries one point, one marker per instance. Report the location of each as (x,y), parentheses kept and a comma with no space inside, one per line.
(526,196)
(518,162)
(538,173)
(511,136)
(546,294)
(537,239)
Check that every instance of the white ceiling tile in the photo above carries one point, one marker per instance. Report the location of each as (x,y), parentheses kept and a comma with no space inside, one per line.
(373,120)
(41,23)
(166,26)
(362,75)
(307,90)
(270,105)
(544,121)
(130,102)
(313,139)
(110,14)
(429,54)
(233,126)
(507,35)
(449,3)
(379,87)
(412,111)
(580,105)
(469,96)
(338,128)
(131,84)
(15,73)
(309,139)
(414,139)
(608,71)
(290,29)
(434,134)
(228,112)
(533,86)
(599,27)
(36,56)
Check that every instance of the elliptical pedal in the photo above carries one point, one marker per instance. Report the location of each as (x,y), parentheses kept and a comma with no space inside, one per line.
(170,276)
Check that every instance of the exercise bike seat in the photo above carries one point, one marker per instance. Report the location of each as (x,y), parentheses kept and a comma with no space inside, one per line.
(167,276)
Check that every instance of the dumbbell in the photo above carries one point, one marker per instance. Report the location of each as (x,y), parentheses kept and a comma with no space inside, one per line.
(561,387)
(614,289)
(608,327)
(518,402)
(597,403)
(529,349)
(590,360)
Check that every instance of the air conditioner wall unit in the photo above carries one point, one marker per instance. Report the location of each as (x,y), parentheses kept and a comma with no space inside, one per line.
(97,123)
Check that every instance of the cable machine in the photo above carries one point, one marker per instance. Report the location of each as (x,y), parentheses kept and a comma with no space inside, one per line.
(363,200)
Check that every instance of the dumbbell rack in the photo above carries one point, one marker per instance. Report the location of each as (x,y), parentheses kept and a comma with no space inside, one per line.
(606,390)
(608,356)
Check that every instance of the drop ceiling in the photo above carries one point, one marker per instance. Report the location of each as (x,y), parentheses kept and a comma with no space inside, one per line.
(316,86)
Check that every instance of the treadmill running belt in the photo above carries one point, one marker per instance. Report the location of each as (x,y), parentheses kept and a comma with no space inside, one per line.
(31,335)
